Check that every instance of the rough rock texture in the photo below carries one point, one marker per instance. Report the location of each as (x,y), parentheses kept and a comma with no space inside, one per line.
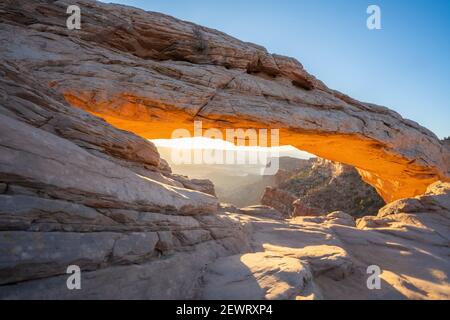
(261,211)
(327,257)
(318,187)
(64,205)
(150,73)
(288,167)
(280,200)
(329,186)
(76,190)
(432,206)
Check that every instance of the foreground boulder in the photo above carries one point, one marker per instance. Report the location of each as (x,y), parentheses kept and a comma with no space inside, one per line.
(328,257)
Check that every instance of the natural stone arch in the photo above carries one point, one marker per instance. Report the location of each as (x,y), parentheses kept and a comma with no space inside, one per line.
(392,173)
(71,184)
(150,74)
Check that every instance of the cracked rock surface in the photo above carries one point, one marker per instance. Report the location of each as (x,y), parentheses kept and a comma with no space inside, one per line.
(149,73)
(327,257)
(79,189)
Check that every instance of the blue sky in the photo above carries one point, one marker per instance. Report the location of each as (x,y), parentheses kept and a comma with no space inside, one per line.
(404,66)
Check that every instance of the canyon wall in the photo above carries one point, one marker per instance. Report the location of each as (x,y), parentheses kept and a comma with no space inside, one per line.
(76,191)
(320,187)
(149,73)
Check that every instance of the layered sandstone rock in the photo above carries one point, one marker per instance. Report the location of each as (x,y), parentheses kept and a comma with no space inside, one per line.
(329,186)
(76,190)
(261,211)
(149,73)
(318,187)
(328,257)
(279,199)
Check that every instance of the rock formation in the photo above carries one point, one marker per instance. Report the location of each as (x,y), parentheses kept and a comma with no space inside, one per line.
(239,184)
(75,190)
(261,211)
(280,200)
(327,257)
(150,74)
(319,187)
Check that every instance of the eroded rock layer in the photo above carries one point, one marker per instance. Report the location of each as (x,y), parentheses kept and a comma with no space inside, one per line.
(75,190)
(328,257)
(150,74)
(320,187)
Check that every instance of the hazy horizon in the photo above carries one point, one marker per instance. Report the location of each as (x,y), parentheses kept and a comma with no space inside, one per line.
(217,144)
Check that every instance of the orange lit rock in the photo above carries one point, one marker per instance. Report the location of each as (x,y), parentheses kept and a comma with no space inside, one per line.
(76,190)
(152,74)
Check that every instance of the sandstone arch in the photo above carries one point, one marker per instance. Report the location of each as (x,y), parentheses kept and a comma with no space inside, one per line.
(149,73)
(76,190)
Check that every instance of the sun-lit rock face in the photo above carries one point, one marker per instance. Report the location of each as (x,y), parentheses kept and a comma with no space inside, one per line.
(150,74)
(322,186)
(77,190)
(74,190)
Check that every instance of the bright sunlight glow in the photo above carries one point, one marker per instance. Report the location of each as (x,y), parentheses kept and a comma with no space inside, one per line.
(217,144)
